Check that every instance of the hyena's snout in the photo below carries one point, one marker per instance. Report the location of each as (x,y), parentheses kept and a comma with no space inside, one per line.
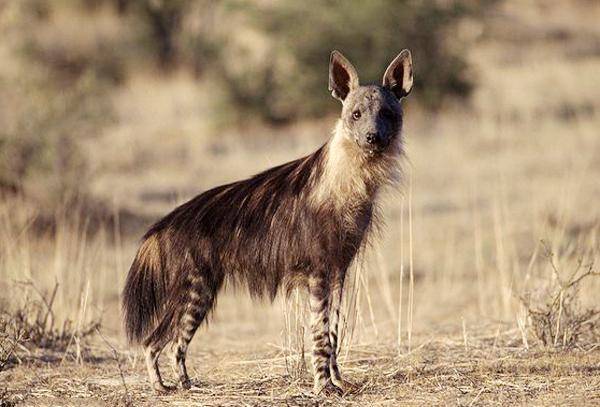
(376,140)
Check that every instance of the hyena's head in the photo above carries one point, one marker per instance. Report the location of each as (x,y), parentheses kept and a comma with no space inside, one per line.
(371,115)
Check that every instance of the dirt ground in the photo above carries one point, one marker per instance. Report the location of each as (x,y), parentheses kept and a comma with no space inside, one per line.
(488,371)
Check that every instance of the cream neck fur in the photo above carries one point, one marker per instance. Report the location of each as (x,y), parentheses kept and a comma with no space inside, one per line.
(350,175)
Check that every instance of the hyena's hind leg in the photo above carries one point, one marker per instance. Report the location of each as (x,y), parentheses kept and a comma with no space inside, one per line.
(200,298)
(152,352)
(153,347)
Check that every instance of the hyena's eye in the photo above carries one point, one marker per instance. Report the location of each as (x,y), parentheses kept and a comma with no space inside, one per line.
(356,114)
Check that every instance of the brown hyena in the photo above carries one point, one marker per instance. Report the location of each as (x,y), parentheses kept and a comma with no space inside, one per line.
(298,223)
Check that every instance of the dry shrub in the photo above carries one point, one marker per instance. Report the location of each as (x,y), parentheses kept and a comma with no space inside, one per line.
(558,319)
(53,275)
(31,325)
(11,339)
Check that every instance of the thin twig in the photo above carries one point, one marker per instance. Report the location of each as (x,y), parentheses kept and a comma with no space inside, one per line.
(115,355)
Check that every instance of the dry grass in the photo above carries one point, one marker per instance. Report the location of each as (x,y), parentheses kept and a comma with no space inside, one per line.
(434,313)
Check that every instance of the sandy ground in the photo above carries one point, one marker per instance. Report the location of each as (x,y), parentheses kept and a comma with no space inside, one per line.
(488,371)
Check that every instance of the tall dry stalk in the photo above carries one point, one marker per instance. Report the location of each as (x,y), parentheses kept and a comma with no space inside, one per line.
(401,282)
(411,286)
(478,254)
(294,313)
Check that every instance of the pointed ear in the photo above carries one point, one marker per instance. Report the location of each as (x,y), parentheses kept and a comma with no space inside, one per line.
(342,76)
(398,77)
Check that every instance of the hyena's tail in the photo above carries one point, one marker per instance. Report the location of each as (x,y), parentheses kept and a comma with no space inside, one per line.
(146,290)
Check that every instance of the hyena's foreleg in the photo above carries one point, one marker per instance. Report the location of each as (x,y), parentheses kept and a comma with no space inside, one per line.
(200,298)
(319,291)
(337,291)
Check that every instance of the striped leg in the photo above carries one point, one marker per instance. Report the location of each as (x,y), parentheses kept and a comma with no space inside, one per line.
(152,354)
(200,300)
(319,292)
(334,319)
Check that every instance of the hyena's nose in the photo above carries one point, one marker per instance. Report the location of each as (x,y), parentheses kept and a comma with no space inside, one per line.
(373,138)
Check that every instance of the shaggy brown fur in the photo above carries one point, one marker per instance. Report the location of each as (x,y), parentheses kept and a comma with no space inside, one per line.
(299,223)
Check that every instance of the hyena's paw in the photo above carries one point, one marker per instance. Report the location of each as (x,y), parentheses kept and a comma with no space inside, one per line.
(345,385)
(338,381)
(327,389)
(186,383)
(160,388)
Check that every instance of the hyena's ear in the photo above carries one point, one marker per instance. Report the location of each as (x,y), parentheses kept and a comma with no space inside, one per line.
(342,76)
(398,77)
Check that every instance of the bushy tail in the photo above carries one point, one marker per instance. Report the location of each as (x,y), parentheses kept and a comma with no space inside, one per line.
(145,291)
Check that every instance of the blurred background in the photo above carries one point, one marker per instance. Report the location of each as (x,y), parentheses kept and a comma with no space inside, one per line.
(98,94)
(114,111)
